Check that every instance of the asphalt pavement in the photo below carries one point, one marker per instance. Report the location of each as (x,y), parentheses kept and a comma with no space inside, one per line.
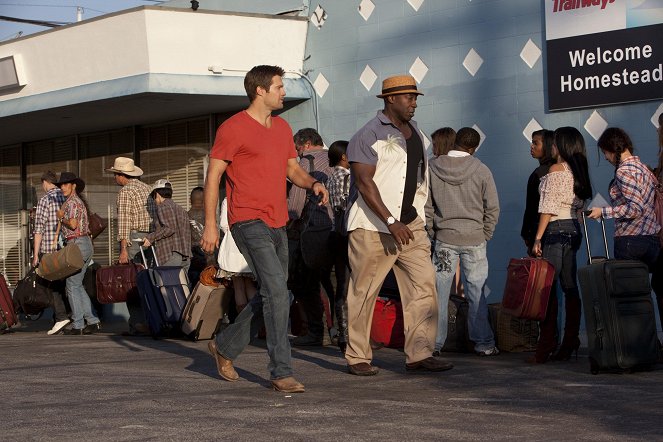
(108,387)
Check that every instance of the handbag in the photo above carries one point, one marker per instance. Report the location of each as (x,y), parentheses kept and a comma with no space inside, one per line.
(96,224)
(658,207)
(31,295)
(117,283)
(62,263)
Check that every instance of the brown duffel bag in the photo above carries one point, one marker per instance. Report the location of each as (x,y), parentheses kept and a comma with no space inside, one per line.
(61,264)
(117,283)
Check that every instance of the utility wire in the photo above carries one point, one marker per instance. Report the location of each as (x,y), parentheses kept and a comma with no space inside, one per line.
(48,24)
(54,6)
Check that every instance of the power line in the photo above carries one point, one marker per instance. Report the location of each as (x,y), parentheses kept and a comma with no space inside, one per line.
(48,24)
(54,6)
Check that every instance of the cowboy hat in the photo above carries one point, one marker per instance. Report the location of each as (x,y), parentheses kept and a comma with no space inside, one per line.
(70,177)
(399,84)
(125,166)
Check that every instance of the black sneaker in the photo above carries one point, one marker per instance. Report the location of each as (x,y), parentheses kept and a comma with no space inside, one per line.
(91,328)
(72,331)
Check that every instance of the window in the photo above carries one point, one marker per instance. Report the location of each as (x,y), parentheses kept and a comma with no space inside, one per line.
(13,222)
(176,151)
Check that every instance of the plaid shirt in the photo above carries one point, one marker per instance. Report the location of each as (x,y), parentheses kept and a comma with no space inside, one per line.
(632,198)
(135,209)
(46,218)
(172,231)
(298,197)
(75,208)
(339,187)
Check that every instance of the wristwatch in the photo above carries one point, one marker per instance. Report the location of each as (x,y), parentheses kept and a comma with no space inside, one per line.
(391,220)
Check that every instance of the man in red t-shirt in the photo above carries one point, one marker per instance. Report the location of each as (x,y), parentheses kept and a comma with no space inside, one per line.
(257,153)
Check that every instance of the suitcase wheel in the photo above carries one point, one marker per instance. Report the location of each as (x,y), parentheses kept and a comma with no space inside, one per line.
(593,366)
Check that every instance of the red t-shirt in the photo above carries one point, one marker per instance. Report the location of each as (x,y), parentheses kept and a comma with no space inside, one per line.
(256,175)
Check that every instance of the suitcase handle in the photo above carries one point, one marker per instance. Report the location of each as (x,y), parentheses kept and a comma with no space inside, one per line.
(154,255)
(605,239)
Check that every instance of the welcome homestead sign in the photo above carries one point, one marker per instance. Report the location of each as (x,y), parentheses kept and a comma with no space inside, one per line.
(603,52)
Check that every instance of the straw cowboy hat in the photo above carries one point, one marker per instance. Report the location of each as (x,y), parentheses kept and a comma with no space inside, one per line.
(70,177)
(399,84)
(125,166)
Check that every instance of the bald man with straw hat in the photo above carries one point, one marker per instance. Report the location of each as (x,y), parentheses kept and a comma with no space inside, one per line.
(386,221)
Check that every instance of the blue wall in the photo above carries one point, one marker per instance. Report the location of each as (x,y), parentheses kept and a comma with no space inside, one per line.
(501,99)
(503,96)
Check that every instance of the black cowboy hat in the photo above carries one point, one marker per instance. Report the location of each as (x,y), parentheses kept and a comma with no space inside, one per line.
(70,177)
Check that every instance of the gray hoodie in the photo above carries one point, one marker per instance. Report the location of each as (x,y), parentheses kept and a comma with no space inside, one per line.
(462,207)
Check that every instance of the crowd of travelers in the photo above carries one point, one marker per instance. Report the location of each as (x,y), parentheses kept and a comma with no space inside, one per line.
(374,204)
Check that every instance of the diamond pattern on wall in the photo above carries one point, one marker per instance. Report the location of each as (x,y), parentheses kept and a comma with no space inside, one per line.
(530,53)
(368,77)
(595,125)
(321,84)
(366,8)
(416,4)
(481,134)
(418,70)
(532,126)
(472,62)
(319,17)
(654,118)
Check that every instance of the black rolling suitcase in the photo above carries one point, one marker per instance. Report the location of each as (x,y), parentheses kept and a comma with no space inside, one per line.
(163,292)
(619,313)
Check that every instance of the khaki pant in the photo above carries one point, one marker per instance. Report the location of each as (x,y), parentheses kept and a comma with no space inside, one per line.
(372,254)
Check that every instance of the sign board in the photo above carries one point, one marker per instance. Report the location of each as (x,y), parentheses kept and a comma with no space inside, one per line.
(603,52)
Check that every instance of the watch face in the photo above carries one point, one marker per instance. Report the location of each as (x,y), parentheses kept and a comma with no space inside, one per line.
(390,220)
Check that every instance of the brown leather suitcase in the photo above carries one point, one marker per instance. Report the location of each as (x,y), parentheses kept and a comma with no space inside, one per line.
(117,283)
(527,289)
(204,311)
(61,264)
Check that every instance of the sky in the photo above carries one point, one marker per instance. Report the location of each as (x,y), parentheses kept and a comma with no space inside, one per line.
(56,11)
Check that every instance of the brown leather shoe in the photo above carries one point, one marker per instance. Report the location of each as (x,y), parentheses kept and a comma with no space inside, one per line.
(363,369)
(288,385)
(429,364)
(223,365)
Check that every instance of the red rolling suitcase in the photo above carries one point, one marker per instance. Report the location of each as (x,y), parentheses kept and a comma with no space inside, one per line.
(7,313)
(387,327)
(527,289)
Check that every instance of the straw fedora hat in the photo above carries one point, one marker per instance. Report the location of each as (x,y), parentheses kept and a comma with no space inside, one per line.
(399,84)
(70,177)
(125,166)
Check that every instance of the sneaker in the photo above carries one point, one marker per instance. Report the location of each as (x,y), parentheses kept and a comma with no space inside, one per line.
(57,328)
(92,328)
(490,352)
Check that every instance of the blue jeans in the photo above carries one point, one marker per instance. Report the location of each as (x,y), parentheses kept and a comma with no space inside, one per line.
(643,248)
(474,267)
(79,301)
(266,252)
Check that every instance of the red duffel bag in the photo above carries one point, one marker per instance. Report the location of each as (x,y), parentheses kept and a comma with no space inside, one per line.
(387,327)
(527,289)
(117,283)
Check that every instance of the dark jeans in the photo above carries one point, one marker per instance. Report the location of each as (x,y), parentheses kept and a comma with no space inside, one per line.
(561,242)
(307,293)
(645,248)
(266,252)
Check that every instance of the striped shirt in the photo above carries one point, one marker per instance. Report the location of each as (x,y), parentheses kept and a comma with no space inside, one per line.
(75,208)
(135,209)
(46,218)
(298,197)
(632,198)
